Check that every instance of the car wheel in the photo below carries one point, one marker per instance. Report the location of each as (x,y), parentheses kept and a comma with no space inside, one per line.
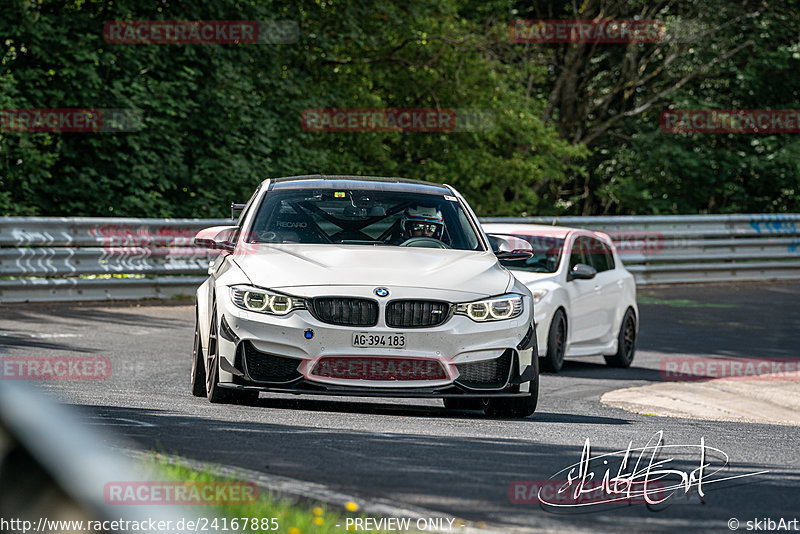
(626,342)
(556,343)
(516,406)
(463,404)
(214,392)
(198,375)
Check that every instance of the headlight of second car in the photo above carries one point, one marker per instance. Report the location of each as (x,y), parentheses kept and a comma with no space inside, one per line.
(499,308)
(539,294)
(259,300)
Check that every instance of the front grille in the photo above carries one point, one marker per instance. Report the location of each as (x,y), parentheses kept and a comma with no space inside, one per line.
(416,313)
(486,373)
(344,311)
(264,367)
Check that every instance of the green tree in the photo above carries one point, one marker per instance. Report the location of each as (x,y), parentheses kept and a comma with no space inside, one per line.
(217,119)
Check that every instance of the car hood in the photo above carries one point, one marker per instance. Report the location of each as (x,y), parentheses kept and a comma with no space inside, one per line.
(291,266)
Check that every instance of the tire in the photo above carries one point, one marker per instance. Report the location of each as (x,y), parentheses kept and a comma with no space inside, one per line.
(626,342)
(214,392)
(517,407)
(556,343)
(462,404)
(198,374)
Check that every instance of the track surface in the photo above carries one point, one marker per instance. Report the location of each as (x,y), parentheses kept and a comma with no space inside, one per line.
(413,451)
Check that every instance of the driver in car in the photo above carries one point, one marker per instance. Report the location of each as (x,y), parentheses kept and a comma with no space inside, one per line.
(421,221)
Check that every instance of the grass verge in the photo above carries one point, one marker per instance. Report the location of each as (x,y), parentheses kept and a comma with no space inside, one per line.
(291,517)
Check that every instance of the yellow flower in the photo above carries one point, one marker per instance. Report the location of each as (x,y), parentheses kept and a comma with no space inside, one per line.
(351,506)
(294,530)
(317,510)
(318,520)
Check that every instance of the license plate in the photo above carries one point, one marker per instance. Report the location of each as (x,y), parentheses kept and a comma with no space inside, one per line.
(389,341)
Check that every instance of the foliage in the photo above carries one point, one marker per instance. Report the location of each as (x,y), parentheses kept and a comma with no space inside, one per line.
(714,55)
(575,125)
(220,118)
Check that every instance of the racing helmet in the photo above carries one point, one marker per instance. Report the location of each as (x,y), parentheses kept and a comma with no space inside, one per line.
(420,218)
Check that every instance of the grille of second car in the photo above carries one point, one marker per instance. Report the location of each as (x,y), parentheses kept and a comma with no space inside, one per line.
(265,367)
(345,311)
(485,373)
(416,313)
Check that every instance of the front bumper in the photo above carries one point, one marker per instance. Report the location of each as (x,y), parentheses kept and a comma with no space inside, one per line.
(269,353)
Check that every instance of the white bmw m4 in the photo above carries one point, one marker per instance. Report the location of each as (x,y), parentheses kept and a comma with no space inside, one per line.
(339,285)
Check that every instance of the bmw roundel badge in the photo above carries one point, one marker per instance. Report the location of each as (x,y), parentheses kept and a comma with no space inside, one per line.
(308,334)
(381,291)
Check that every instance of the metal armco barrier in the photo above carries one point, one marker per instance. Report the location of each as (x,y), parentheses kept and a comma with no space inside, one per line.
(53,258)
(696,248)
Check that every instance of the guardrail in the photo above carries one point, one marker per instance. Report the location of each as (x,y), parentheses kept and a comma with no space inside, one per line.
(60,258)
(696,248)
(53,258)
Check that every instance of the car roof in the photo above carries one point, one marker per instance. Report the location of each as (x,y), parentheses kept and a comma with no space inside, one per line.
(323,181)
(543,230)
(529,229)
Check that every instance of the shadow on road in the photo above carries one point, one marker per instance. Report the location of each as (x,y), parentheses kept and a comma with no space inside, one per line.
(468,477)
(753,320)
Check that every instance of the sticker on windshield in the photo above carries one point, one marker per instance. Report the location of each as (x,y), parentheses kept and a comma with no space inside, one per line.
(451,198)
(339,194)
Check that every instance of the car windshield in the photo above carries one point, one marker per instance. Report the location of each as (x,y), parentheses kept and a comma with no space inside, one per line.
(546,255)
(363,217)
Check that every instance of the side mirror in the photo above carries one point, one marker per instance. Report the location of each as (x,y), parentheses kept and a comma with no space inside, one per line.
(581,272)
(510,248)
(216,238)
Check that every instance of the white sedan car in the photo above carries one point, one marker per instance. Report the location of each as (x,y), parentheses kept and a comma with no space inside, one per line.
(364,287)
(585,298)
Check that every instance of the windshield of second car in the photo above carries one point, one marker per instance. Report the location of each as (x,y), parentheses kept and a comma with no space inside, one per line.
(546,255)
(363,217)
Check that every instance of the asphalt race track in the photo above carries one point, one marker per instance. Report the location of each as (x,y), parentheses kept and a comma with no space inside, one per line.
(415,453)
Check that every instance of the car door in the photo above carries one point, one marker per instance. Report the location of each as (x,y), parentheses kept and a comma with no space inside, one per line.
(607,288)
(585,313)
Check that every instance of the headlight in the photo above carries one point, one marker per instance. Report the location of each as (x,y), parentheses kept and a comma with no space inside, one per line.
(262,301)
(494,309)
(539,294)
